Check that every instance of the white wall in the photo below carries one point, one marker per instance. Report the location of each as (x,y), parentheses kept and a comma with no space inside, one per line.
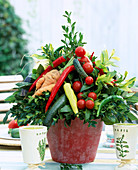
(105,23)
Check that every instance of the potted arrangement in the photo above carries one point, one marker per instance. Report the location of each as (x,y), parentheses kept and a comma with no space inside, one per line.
(73,96)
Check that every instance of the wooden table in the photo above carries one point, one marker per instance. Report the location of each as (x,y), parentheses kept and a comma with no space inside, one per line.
(11,159)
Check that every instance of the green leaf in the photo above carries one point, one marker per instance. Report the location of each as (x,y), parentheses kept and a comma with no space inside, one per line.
(69,20)
(125,88)
(66,108)
(105,53)
(35,76)
(10,99)
(6,116)
(132,115)
(23,84)
(30,99)
(73,28)
(38,56)
(100,86)
(66,12)
(66,35)
(70,36)
(116,58)
(118,148)
(98,63)
(81,37)
(58,49)
(112,53)
(111,74)
(40,69)
(127,95)
(63,41)
(128,84)
(124,141)
(133,99)
(64,27)
(104,78)
(125,146)
(125,75)
(65,166)
(126,151)
(101,58)
(117,144)
(87,114)
(67,29)
(73,24)
(65,16)
(86,87)
(34,71)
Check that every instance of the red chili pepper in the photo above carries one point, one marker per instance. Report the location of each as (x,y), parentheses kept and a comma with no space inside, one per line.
(79,59)
(100,70)
(91,59)
(113,82)
(56,63)
(91,56)
(58,85)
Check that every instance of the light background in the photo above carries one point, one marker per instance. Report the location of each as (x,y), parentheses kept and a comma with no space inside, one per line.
(105,24)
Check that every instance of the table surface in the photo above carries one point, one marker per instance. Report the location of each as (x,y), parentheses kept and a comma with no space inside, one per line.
(11,159)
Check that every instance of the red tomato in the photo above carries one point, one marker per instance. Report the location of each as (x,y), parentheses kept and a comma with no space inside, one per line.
(92,95)
(13,124)
(88,68)
(79,95)
(84,60)
(89,80)
(81,104)
(80,52)
(89,104)
(77,86)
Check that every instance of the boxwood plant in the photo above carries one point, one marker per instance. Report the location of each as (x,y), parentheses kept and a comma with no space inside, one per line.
(113,93)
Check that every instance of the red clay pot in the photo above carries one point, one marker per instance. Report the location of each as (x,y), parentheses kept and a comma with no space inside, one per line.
(75,144)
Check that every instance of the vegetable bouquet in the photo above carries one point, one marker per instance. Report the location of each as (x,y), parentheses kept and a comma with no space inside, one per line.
(73,84)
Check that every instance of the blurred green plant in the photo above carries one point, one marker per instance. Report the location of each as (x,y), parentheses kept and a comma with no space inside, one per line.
(12,44)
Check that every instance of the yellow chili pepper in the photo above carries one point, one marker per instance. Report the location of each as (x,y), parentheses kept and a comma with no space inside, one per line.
(71,97)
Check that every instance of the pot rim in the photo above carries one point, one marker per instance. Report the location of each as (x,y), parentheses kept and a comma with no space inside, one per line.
(125,125)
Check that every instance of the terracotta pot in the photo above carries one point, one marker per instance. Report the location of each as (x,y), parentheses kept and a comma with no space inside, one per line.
(75,144)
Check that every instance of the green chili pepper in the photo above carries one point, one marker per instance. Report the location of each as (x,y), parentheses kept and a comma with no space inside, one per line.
(71,97)
(107,100)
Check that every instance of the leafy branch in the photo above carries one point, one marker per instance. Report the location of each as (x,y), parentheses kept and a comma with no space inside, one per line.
(65,166)
(71,42)
(50,53)
(121,145)
(41,148)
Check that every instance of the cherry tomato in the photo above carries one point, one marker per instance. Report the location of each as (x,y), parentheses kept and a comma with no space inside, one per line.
(88,68)
(89,80)
(77,86)
(80,52)
(84,60)
(13,124)
(81,104)
(92,95)
(79,95)
(89,104)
